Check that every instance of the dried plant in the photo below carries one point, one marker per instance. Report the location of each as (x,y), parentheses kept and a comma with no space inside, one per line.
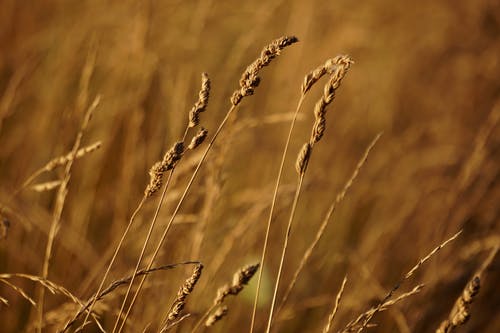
(250,78)
(198,138)
(248,83)
(341,68)
(362,323)
(460,313)
(61,161)
(218,314)
(309,80)
(185,290)
(201,104)
(328,325)
(356,324)
(59,205)
(114,285)
(169,162)
(240,279)
(321,230)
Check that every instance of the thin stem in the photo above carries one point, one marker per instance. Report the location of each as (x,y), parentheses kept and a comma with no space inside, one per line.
(335,307)
(285,246)
(115,254)
(271,212)
(338,199)
(177,208)
(143,250)
(205,315)
(58,209)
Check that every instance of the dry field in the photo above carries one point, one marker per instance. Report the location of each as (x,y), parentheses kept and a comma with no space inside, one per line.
(259,166)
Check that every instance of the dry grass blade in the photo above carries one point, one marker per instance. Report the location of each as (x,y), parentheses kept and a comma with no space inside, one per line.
(51,286)
(339,198)
(175,323)
(405,277)
(19,290)
(59,205)
(358,322)
(115,284)
(46,186)
(60,161)
(460,314)
(252,80)
(335,307)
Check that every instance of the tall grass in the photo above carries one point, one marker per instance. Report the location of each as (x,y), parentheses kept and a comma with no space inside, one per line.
(89,239)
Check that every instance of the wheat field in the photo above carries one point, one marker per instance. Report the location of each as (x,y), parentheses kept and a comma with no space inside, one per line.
(268,166)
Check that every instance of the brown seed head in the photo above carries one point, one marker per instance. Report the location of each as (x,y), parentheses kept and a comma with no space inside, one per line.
(250,79)
(303,158)
(240,279)
(155,179)
(173,155)
(216,316)
(198,138)
(318,129)
(201,104)
(183,293)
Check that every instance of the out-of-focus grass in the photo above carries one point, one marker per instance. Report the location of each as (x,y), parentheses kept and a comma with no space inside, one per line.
(426,74)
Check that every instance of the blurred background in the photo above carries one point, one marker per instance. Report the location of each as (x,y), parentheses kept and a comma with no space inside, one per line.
(426,74)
